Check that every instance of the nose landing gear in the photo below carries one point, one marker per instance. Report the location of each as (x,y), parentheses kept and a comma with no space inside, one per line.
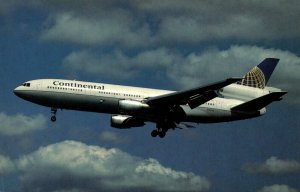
(53,112)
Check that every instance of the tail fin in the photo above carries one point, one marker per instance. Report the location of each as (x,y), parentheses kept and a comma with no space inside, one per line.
(259,75)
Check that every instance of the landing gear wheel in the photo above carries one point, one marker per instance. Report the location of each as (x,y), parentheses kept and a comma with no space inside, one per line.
(154,133)
(53,118)
(162,134)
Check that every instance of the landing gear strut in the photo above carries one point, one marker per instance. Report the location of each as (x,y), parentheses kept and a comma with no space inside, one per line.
(53,112)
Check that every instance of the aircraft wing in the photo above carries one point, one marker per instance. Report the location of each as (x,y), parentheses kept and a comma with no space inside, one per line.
(192,97)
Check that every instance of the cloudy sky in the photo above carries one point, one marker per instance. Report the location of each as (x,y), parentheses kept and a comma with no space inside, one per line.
(159,44)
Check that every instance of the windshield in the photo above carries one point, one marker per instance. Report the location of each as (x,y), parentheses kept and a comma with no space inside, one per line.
(26,84)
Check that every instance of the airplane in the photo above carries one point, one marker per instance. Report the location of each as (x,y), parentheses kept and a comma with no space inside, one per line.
(227,100)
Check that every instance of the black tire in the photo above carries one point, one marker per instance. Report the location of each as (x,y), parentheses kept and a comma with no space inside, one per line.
(53,118)
(154,133)
(162,134)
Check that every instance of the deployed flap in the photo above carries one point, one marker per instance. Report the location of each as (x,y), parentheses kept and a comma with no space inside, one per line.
(260,102)
(183,97)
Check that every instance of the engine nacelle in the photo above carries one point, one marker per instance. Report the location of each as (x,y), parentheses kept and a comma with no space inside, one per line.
(125,122)
(131,106)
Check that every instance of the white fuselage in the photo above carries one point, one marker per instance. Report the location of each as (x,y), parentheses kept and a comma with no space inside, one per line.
(105,98)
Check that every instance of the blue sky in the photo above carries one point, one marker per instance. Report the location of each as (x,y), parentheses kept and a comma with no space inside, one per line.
(160,44)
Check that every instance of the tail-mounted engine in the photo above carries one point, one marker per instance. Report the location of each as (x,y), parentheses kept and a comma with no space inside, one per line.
(125,122)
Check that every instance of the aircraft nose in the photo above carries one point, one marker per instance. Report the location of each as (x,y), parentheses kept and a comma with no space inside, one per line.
(17,91)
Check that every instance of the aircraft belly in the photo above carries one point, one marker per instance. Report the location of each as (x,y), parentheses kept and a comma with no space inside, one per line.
(74,101)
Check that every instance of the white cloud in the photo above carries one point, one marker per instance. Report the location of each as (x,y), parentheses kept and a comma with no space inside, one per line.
(193,69)
(197,21)
(113,137)
(111,28)
(20,124)
(148,23)
(74,166)
(214,64)
(274,166)
(144,24)
(278,188)
(236,60)
(113,65)
(117,64)
(6,165)
(160,57)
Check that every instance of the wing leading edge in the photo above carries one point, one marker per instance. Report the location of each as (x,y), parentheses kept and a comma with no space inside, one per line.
(192,97)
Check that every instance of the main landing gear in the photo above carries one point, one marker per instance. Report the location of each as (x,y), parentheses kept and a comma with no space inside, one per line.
(53,112)
(162,127)
(160,132)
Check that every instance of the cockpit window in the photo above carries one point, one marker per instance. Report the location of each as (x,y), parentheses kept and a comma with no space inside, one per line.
(26,84)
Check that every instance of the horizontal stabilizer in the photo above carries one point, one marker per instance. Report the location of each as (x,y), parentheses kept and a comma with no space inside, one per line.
(260,102)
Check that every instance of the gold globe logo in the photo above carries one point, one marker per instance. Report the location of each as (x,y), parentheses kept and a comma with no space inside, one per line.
(254,78)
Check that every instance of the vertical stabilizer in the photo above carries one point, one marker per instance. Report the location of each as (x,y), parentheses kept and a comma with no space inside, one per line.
(259,75)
